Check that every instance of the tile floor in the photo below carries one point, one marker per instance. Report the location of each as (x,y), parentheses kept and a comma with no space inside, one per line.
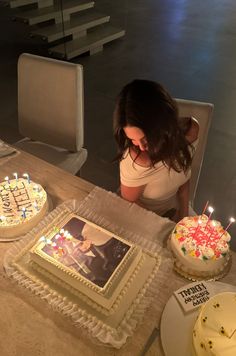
(188,46)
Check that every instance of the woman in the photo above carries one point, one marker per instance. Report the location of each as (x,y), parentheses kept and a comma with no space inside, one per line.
(155,149)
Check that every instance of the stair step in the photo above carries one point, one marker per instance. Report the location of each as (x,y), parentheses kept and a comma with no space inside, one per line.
(35,16)
(18,3)
(94,40)
(77,24)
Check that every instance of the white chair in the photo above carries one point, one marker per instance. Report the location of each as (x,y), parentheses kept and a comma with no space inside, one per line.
(203,113)
(51,110)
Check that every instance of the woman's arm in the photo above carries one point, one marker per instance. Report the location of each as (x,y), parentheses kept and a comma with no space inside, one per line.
(183,197)
(193,131)
(131,194)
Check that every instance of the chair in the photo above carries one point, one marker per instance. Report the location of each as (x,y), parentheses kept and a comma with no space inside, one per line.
(203,113)
(51,111)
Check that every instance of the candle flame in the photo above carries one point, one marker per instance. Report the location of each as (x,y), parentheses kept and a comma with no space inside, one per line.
(232,220)
(210,209)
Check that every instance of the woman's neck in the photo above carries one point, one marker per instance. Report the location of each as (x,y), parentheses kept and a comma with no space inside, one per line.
(140,157)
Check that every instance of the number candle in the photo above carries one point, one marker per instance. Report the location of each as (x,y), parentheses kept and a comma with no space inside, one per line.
(26,175)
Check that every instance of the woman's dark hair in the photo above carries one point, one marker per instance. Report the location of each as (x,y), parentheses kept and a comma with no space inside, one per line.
(147,105)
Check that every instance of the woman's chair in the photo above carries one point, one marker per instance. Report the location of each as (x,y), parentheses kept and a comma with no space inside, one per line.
(51,111)
(203,113)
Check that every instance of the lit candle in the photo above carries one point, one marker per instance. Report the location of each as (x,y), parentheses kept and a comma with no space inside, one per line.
(205,207)
(54,245)
(36,187)
(42,239)
(24,213)
(26,175)
(15,175)
(7,179)
(210,209)
(45,240)
(231,221)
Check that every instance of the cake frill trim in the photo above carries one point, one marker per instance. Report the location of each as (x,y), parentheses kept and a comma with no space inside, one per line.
(96,328)
(84,298)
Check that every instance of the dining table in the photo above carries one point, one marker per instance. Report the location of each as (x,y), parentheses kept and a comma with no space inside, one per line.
(28,325)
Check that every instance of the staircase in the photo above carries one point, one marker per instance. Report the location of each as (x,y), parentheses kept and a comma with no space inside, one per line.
(70,27)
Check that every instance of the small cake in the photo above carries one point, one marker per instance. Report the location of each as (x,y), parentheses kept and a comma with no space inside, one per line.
(200,247)
(23,204)
(215,329)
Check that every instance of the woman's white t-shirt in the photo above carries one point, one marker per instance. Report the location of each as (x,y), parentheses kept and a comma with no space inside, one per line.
(161,183)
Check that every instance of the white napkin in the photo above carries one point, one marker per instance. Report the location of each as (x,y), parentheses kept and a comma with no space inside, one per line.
(6,150)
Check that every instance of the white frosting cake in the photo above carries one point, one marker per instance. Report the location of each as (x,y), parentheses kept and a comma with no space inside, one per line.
(94,262)
(102,282)
(215,329)
(22,205)
(200,246)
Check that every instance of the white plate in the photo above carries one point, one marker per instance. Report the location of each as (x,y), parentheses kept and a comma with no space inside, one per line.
(177,327)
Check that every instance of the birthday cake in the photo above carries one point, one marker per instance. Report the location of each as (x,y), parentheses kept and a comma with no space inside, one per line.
(102,281)
(200,247)
(215,329)
(22,205)
(102,269)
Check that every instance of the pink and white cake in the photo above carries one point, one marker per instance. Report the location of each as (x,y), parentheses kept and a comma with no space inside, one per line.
(201,247)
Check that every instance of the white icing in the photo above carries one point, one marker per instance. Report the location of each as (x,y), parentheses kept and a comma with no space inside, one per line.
(58,267)
(215,329)
(22,206)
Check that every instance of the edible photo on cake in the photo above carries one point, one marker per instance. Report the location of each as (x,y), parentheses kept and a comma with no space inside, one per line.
(82,247)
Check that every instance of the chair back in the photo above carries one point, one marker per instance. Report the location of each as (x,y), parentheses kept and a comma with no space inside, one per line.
(203,113)
(51,101)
